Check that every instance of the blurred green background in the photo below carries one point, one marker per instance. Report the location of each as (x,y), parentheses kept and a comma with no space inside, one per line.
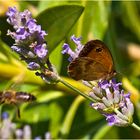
(58,109)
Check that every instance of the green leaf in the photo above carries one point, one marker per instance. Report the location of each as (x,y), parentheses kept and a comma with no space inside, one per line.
(67,124)
(101,12)
(57,54)
(58,21)
(103,131)
(87,20)
(41,104)
(49,96)
(131,14)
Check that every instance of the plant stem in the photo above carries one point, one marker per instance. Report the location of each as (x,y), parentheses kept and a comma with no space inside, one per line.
(135,126)
(76,90)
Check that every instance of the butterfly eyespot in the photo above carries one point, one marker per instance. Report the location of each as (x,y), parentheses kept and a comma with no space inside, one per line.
(98,49)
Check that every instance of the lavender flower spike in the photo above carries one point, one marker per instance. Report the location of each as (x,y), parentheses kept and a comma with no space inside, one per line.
(73,54)
(28,35)
(112,103)
(30,44)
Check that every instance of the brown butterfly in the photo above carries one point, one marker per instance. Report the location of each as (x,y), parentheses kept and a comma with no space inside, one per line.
(93,63)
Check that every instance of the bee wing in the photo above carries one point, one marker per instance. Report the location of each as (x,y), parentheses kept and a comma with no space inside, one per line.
(85,68)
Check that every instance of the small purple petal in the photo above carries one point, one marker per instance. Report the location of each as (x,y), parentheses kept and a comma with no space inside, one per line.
(5,115)
(104,84)
(11,11)
(33,27)
(33,66)
(12,16)
(67,50)
(40,51)
(110,119)
(25,16)
(76,40)
(21,34)
(16,49)
(115,85)
(73,54)
(127,95)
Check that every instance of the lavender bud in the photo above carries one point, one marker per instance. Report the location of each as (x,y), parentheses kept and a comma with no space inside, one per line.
(5,115)
(47,136)
(37,138)
(19,134)
(27,132)
(41,51)
(33,66)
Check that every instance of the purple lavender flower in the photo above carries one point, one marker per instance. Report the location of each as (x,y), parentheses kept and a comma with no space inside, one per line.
(30,43)
(48,136)
(5,115)
(28,35)
(33,66)
(40,50)
(73,54)
(112,102)
(9,130)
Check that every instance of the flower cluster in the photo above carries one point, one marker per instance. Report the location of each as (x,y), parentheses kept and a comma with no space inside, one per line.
(112,102)
(109,99)
(30,43)
(9,130)
(27,33)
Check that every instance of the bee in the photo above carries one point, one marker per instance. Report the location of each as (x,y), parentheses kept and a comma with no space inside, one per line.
(15,98)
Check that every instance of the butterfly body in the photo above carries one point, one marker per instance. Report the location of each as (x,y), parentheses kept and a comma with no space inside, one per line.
(94,62)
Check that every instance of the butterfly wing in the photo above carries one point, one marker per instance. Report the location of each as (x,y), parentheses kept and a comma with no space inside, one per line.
(99,52)
(85,68)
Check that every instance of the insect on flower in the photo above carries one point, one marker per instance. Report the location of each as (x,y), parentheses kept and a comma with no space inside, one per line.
(15,98)
(92,61)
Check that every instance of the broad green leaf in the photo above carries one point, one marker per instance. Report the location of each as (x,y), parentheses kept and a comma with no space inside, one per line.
(102,131)
(131,14)
(87,19)
(46,97)
(67,124)
(101,13)
(58,21)
(57,54)
(43,4)
(37,108)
